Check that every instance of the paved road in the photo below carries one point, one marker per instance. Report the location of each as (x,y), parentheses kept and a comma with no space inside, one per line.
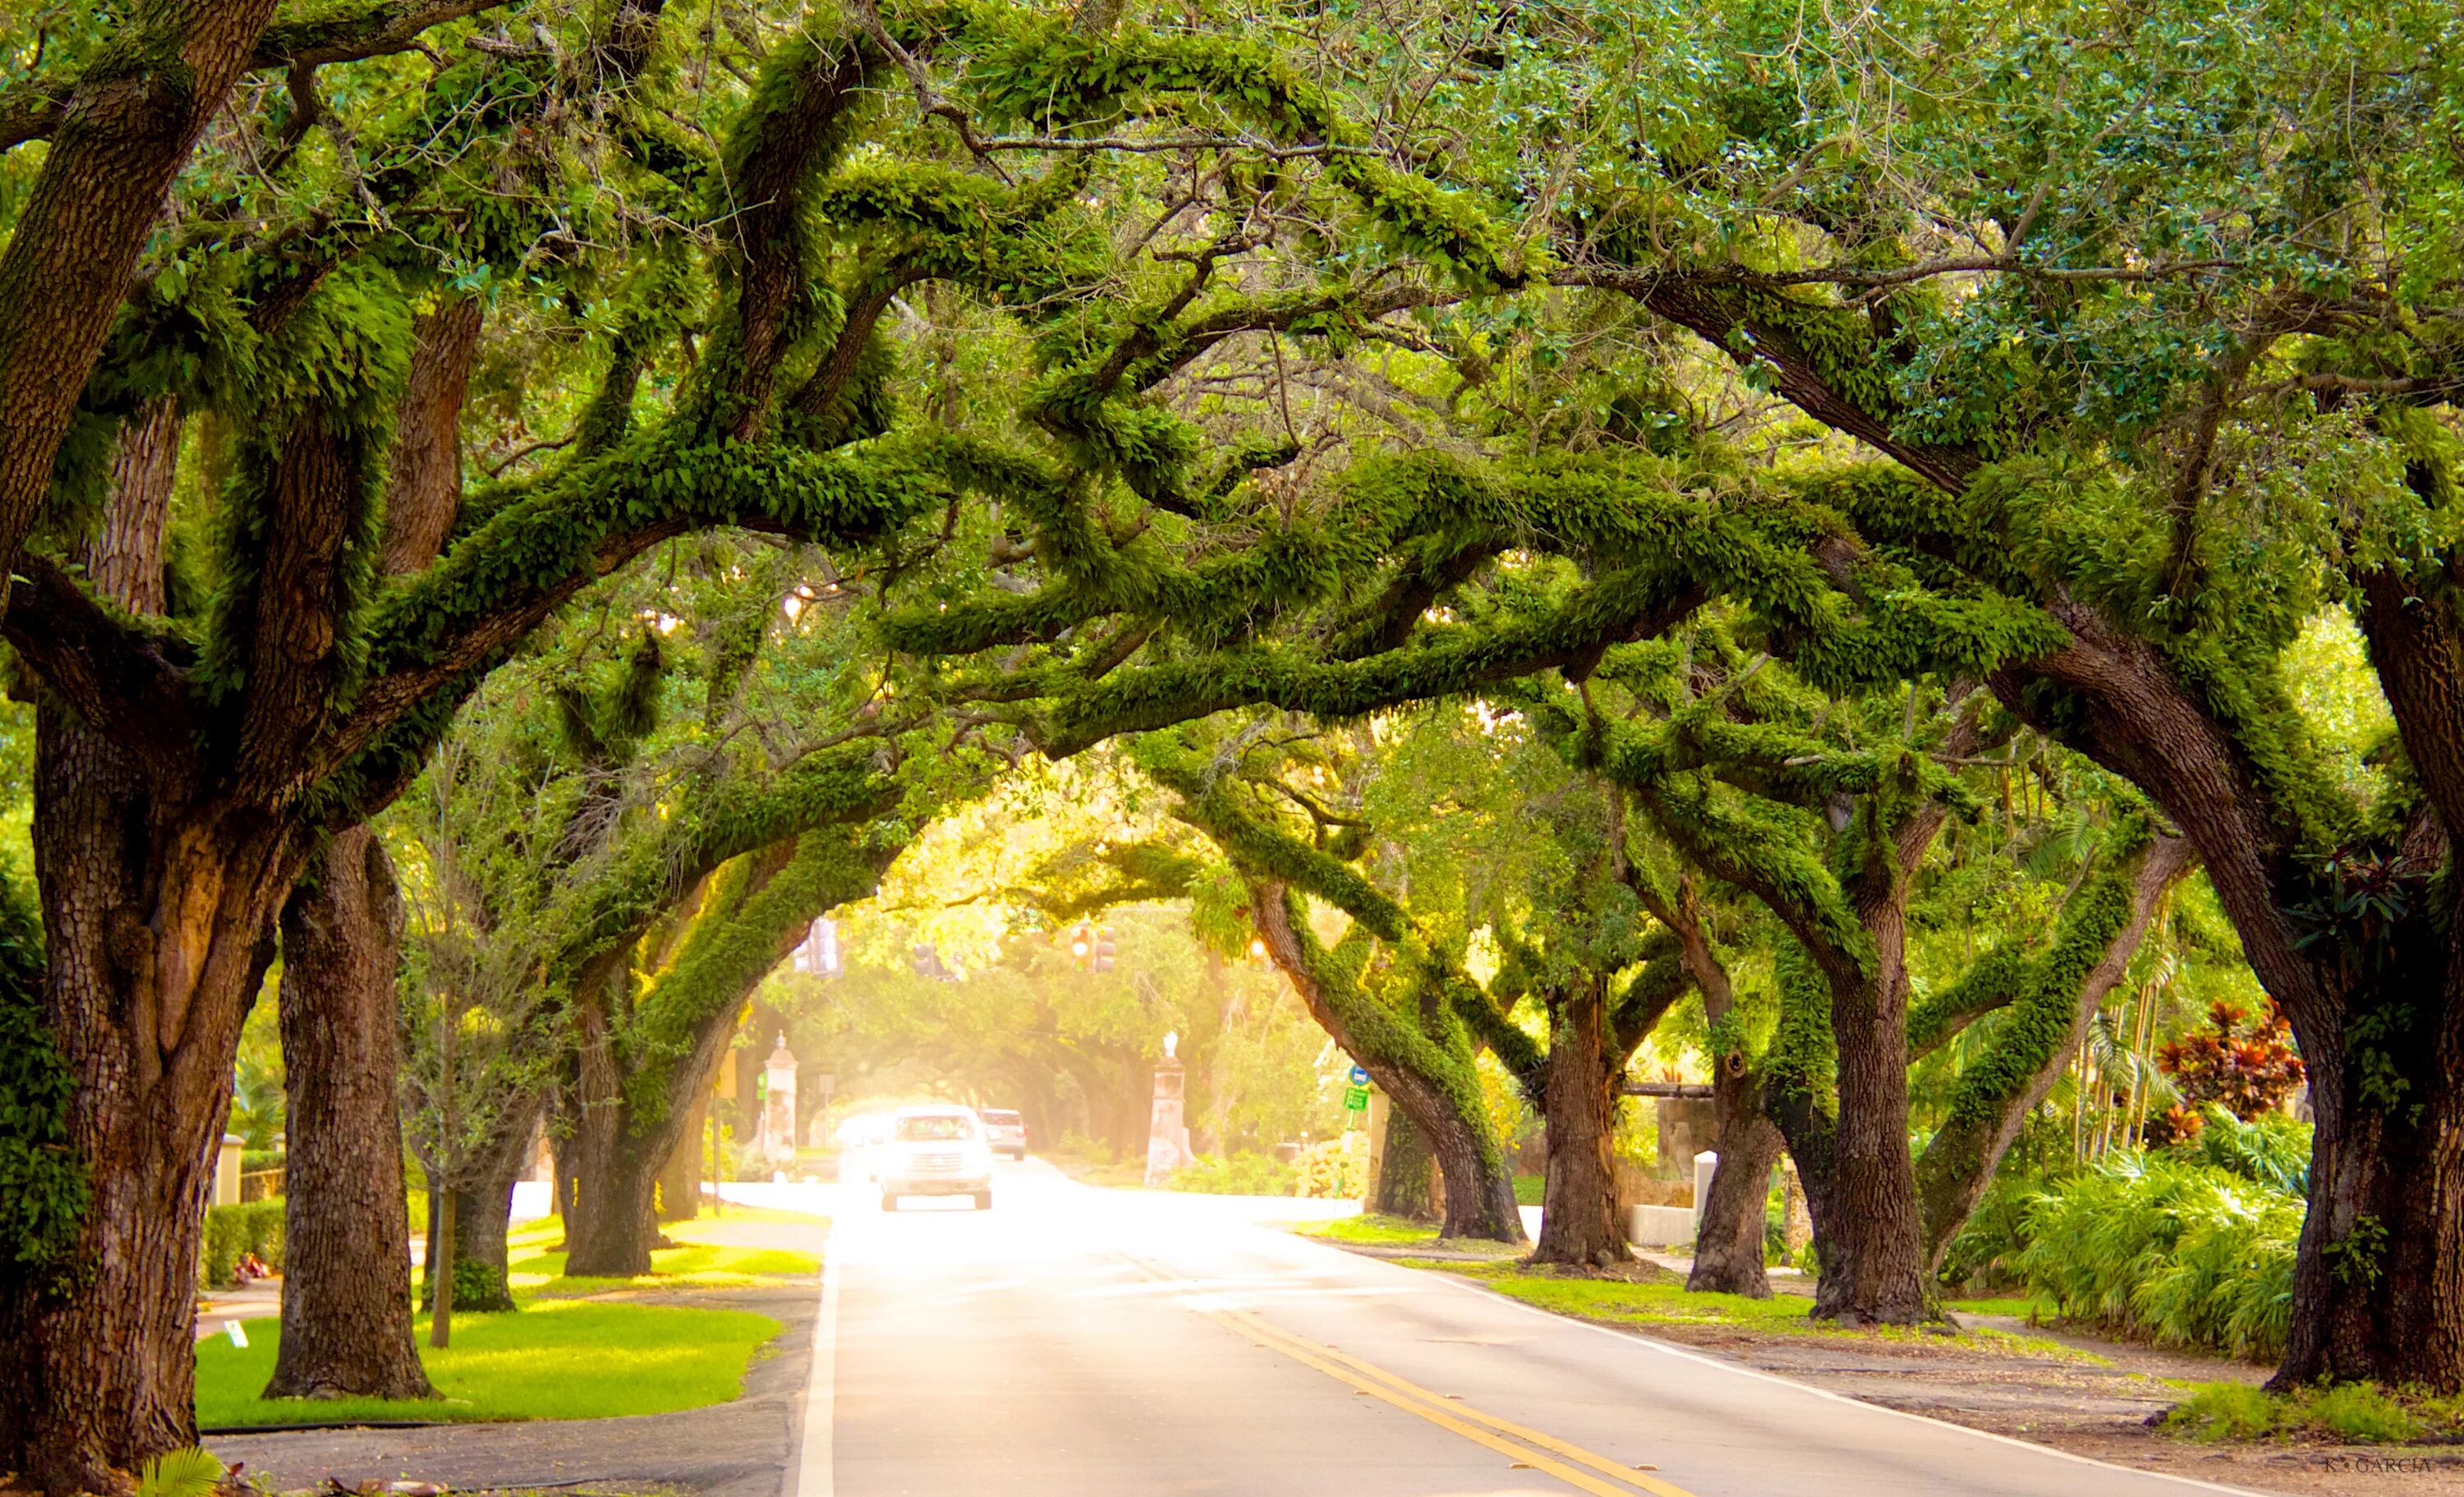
(1079,1343)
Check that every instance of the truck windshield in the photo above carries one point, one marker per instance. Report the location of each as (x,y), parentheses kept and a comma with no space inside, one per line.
(941,1125)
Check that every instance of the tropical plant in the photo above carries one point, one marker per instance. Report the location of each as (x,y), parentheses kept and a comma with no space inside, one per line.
(2243,1063)
(193,1472)
(2174,1253)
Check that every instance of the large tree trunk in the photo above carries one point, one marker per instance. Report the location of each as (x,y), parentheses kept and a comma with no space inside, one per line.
(346,1330)
(1729,1234)
(1578,1217)
(611,1228)
(159,929)
(1867,1231)
(1447,1110)
(1405,1187)
(157,916)
(1479,1185)
(2378,1287)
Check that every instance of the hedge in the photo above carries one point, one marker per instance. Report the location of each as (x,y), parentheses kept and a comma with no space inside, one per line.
(254,1226)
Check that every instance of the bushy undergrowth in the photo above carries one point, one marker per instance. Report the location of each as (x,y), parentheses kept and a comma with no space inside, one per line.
(2272,1151)
(1233,1175)
(1333,1169)
(2180,1254)
(2357,1413)
(2189,1248)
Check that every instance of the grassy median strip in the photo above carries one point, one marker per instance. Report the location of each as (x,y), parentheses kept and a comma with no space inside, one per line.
(1380,1231)
(702,1258)
(1643,1296)
(551,1360)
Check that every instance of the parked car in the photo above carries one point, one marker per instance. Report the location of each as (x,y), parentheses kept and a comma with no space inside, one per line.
(1006,1130)
(862,1141)
(936,1151)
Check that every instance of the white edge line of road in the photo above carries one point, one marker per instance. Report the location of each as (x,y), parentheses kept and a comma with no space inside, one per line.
(1666,1349)
(814,1472)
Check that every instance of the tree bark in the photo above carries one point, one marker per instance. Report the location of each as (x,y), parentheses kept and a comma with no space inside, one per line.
(1403,1178)
(149,1013)
(424,486)
(1868,1234)
(611,1229)
(347,1329)
(157,916)
(680,1177)
(2377,1287)
(482,1224)
(1579,1220)
(1729,1234)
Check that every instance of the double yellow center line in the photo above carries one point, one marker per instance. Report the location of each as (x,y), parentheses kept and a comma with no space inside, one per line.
(1584,1470)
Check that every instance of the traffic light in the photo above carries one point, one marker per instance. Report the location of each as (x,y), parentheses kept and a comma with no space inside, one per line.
(1104,949)
(1081,943)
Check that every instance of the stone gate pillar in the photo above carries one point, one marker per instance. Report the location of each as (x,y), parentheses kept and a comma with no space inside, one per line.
(1167,1125)
(779,1108)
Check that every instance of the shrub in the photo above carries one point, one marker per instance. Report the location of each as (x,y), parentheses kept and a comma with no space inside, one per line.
(2272,1149)
(1335,1169)
(2167,1251)
(2246,1063)
(476,1287)
(1095,1151)
(2224,1411)
(1985,1252)
(2360,1414)
(2357,1413)
(253,1227)
(1233,1175)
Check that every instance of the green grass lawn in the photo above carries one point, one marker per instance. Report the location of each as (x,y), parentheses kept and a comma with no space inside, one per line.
(2022,1308)
(697,1261)
(551,1360)
(1371,1228)
(1665,1301)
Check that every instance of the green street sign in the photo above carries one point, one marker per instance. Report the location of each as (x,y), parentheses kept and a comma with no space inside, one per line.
(1356,1099)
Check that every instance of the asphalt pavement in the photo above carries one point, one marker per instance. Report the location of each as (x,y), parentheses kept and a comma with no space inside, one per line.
(1075,1342)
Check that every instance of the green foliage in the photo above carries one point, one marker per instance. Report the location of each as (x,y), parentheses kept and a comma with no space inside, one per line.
(477,1287)
(1332,1168)
(254,1226)
(2353,1413)
(2176,1253)
(44,1190)
(1233,1175)
(2225,1411)
(192,1472)
(2269,1150)
(562,1359)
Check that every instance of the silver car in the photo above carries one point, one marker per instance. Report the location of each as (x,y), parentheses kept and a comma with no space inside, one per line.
(1006,1130)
